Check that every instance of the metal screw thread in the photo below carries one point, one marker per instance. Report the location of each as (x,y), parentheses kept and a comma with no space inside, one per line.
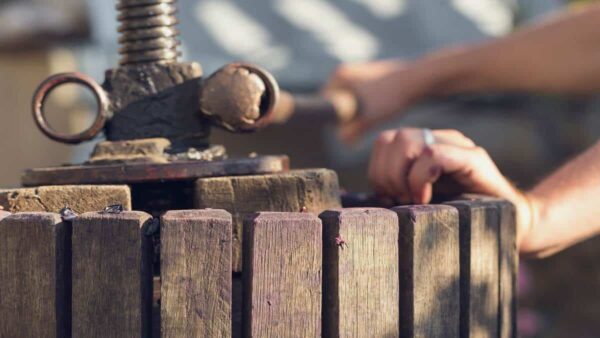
(147,31)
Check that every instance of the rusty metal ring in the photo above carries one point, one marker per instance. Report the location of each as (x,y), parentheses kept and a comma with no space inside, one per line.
(51,83)
(271,95)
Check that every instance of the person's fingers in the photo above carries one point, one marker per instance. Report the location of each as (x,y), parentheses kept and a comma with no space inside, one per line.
(406,147)
(391,176)
(394,154)
(377,164)
(424,172)
(394,170)
(452,136)
(337,80)
(436,160)
(384,173)
(341,78)
(408,144)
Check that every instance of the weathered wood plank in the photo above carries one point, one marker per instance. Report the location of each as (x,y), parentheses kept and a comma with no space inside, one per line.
(429,271)
(360,273)
(196,273)
(133,173)
(112,275)
(509,265)
(80,198)
(282,275)
(34,276)
(317,190)
(479,242)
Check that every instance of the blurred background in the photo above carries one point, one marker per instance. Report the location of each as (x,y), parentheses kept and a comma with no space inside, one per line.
(301,42)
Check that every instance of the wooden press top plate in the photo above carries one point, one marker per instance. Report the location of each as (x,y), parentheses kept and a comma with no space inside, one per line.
(144,172)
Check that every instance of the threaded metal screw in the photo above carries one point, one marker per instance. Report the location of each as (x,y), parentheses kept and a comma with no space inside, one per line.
(147,31)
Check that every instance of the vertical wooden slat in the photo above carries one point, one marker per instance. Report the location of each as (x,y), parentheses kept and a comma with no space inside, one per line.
(429,271)
(282,275)
(34,276)
(360,273)
(509,264)
(196,273)
(112,275)
(479,241)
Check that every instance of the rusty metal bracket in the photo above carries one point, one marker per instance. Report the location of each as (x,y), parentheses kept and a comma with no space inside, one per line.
(239,97)
(157,113)
(153,95)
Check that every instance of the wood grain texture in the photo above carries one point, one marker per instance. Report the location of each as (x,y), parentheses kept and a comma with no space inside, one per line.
(509,266)
(196,273)
(282,275)
(317,190)
(508,263)
(34,276)
(429,271)
(360,273)
(80,198)
(480,242)
(112,275)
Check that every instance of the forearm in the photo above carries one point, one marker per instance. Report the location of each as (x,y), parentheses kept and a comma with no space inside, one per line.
(566,207)
(559,55)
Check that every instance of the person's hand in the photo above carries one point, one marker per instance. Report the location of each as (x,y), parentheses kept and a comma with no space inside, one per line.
(383,89)
(407,163)
(404,167)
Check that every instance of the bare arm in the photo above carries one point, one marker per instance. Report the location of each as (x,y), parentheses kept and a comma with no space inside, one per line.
(559,55)
(566,206)
(561,211)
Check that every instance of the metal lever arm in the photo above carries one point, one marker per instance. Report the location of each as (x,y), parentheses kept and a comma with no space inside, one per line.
(337,108)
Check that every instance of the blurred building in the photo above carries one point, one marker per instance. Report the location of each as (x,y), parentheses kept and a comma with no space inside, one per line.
(33,41)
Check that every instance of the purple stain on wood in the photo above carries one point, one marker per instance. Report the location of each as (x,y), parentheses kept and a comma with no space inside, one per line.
(340,242)
(199,313)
